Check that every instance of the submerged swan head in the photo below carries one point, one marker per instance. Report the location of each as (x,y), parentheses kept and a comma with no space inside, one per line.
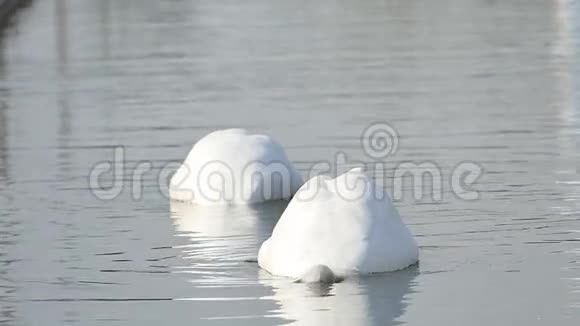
(341,224)
(233,166)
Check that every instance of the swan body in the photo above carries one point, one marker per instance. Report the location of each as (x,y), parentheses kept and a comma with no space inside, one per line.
(233,166)
(342,224)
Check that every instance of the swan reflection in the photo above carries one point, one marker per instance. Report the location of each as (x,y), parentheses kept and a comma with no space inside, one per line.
(377,299)
(224,233)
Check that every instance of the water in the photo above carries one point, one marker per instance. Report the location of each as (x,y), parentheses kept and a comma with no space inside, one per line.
(490,82)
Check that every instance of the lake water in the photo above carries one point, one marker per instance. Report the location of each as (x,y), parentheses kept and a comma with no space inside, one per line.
(490,82)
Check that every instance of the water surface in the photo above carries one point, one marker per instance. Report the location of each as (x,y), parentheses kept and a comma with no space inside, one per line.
(490,82)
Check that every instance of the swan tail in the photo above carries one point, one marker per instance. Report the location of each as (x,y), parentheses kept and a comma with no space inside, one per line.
(319,274)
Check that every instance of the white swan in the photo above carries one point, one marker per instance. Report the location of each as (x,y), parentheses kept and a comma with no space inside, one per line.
(340,224)
(236,167)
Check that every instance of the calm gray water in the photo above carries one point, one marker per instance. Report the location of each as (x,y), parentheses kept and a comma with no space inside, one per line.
(491,82)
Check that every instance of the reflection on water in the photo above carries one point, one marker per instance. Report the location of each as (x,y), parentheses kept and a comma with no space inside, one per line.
(494,82)
(370,300)
(225,235)
(8,222)
(219,257)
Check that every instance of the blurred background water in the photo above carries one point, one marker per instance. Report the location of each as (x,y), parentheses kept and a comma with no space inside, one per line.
(493,82)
